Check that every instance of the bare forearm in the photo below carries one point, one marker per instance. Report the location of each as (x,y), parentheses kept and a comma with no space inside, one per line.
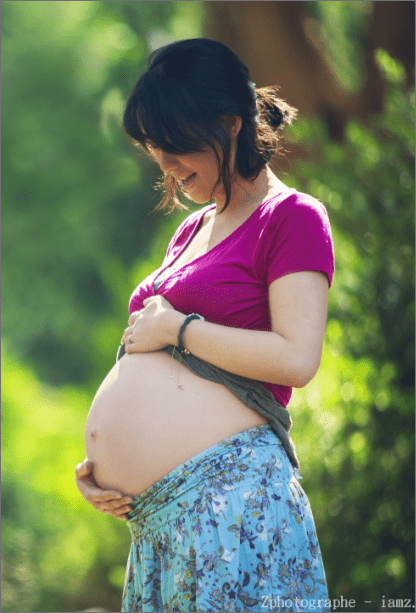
(264,356)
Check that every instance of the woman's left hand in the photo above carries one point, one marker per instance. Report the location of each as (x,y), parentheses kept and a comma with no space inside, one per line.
(153,328)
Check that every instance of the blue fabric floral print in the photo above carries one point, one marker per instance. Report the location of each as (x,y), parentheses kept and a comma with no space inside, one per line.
(230,529)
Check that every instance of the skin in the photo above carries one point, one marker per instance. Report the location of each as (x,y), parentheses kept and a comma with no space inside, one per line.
(289,354)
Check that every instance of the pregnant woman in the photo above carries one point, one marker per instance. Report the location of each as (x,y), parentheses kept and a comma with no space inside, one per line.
(188,436)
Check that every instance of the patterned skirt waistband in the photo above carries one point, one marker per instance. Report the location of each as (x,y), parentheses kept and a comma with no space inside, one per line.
(225,463)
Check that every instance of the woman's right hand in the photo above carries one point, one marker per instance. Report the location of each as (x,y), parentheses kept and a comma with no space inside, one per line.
(104,501)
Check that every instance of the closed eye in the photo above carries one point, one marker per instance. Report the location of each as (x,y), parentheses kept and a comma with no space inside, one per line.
(150,146)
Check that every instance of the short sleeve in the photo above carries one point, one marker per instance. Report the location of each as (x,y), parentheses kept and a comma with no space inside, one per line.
(299,238)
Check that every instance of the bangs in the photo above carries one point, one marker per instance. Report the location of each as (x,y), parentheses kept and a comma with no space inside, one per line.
(162,111)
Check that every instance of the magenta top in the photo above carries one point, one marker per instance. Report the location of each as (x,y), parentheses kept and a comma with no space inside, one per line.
(228,285)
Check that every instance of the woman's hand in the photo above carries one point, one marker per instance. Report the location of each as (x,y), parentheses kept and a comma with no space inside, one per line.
(104,501)
(153,328)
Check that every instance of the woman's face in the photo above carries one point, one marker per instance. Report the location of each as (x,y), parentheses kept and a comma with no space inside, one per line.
(196,173)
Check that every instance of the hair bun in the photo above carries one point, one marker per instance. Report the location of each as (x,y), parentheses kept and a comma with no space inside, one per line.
(276,117)
(274,111)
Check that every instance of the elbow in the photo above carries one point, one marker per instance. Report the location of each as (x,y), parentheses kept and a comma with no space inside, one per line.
(302,380)
(297,367)
(304,372)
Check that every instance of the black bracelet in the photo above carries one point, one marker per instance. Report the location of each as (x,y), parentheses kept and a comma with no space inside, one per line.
(188,318)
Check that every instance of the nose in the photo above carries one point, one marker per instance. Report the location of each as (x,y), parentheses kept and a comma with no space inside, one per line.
(167,161)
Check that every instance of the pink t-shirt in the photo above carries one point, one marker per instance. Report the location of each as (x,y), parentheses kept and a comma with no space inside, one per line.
(228,285)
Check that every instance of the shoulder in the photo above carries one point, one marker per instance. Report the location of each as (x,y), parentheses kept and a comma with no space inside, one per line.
(297,235)
(295,205)
(295,214)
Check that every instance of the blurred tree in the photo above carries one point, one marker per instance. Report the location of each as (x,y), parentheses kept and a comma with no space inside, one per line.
(320,53)
(78,235)
(77,202)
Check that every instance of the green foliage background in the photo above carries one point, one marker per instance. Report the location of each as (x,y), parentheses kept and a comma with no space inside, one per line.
(78,234)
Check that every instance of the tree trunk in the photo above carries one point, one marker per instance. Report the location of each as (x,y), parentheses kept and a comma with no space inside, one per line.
(271,39)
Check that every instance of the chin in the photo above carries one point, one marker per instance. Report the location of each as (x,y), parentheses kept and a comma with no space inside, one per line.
(199,200)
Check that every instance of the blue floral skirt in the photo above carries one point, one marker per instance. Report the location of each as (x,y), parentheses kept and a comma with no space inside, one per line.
(230,529)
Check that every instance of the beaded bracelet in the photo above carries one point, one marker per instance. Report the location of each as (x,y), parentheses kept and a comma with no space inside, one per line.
(188,318)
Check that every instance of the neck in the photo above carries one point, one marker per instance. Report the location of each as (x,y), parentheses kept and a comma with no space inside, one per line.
(248,194)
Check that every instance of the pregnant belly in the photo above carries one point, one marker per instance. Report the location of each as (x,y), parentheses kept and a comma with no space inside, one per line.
(141,425)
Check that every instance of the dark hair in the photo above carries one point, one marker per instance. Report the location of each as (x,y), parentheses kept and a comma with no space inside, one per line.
(180,99)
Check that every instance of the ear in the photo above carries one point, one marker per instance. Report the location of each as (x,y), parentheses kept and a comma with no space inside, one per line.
(233,123)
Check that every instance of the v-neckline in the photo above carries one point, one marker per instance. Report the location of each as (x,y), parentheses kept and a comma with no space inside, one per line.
(203,212)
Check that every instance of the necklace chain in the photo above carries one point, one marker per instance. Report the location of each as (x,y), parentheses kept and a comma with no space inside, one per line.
(171,269)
